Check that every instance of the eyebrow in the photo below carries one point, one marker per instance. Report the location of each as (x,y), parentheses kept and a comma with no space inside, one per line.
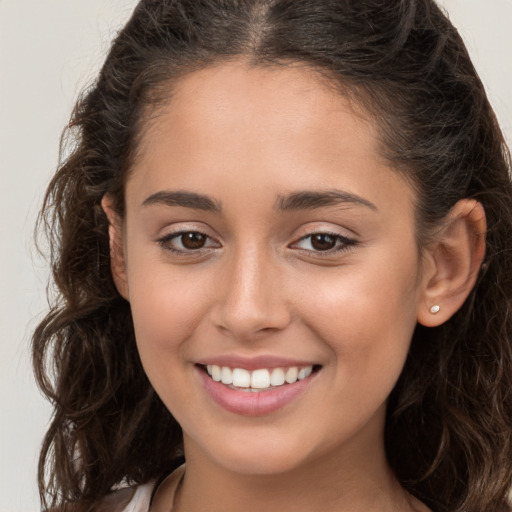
(310,200)
(303,200)
(184,199)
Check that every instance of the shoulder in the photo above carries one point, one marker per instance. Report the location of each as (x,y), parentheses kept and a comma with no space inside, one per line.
(118,500)
(127,499)
(136,498)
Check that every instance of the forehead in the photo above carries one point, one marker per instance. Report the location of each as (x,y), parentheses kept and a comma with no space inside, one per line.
(283,128)
(235,97)
(295,92)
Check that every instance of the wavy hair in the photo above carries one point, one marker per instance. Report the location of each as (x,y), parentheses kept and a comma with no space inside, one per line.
(449,419)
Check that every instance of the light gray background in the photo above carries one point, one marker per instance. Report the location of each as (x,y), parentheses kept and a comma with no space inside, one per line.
(49,50)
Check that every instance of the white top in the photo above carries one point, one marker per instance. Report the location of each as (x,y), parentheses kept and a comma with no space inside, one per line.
(141,498)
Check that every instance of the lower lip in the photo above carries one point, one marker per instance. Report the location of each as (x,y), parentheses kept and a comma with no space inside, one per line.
(254,403)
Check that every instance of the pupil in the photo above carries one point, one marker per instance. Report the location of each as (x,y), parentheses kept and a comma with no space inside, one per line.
(193,240)
(323,242)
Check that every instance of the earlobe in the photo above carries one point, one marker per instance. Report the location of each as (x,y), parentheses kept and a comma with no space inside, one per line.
(452,263)
(117,256)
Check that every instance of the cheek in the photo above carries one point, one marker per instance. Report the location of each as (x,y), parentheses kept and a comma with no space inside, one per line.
(166,313)
(166,308)
(366,315)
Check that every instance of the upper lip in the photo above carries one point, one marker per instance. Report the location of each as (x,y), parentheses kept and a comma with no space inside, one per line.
(255,362)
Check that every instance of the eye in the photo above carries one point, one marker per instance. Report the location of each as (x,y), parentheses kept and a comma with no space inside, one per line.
(187,242)
(192,240)
(324,242)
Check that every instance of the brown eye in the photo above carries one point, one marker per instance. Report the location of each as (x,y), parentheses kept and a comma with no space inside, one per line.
(326,243)
(323,241)
(187,243)
(193,240)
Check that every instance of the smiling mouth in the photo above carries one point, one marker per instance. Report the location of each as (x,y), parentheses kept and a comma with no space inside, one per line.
(262,379)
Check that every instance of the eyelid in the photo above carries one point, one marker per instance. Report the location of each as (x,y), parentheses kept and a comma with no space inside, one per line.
(343,242)
(165,240)
(347,243)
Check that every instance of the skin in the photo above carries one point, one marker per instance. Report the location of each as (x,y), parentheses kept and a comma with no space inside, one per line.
(246,137)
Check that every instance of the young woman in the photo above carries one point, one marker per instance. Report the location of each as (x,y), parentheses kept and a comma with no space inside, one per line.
(282,244)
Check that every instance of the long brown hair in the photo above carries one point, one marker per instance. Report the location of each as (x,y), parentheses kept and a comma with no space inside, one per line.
(449,421)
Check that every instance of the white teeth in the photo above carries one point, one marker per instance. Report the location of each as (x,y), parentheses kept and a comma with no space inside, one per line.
(277,377)
(226,375)
(305,372)
(291,375)
(258,379)
(241,378)
(216,373)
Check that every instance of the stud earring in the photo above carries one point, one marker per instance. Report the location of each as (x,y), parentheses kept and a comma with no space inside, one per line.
(435,309)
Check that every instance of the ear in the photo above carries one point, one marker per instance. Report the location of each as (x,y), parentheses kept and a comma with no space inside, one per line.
(452,263)
(117,252)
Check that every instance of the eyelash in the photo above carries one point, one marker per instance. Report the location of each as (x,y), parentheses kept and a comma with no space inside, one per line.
(166,241)
(343,243)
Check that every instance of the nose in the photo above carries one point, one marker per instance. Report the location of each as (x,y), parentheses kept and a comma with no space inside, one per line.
(252,299)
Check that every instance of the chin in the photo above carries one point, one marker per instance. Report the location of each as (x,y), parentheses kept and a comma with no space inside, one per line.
(261,464)
(259,458)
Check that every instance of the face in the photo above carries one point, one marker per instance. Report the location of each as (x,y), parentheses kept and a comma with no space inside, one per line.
(268,244)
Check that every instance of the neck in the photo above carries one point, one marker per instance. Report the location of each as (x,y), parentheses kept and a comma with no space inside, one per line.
(336,482)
